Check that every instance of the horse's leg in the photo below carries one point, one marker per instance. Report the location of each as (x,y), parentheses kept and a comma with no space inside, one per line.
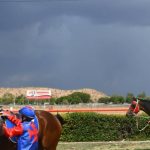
(50,139)
(48,146)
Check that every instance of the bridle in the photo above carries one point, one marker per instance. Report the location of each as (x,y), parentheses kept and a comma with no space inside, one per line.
(136,109)
(135,112)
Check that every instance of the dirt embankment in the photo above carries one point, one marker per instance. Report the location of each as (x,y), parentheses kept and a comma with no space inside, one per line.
(95,95)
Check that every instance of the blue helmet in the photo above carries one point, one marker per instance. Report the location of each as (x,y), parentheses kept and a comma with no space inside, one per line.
(27,111)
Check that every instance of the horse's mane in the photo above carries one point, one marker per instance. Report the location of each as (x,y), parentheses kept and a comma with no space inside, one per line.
(145,100)
(145,105)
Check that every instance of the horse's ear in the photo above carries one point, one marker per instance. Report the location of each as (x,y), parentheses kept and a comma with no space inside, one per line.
(60,118)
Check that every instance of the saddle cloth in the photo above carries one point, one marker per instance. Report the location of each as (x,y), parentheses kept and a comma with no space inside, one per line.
(9,124)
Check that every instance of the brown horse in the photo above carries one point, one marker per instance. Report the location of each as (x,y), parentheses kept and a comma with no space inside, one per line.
(49,132)
(138,104)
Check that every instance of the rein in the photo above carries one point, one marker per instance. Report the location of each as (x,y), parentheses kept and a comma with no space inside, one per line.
(137,107)
(136,110)
(137,125)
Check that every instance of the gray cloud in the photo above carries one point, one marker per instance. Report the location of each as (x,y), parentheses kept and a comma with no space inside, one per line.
(76,44)
(19,15)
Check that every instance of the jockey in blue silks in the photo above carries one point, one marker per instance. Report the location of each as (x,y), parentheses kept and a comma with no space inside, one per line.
(26,129)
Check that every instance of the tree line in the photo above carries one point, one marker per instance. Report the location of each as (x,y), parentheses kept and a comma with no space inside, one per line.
(74,98)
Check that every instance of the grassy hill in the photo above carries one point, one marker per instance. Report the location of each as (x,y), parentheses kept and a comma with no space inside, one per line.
(95,95)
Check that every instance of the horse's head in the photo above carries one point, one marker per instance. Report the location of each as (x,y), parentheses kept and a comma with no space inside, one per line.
(134,108)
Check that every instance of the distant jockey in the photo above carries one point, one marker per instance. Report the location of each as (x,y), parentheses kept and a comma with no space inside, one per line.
(26,130)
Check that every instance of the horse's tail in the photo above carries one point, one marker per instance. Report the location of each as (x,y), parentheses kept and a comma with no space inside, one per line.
(60,118)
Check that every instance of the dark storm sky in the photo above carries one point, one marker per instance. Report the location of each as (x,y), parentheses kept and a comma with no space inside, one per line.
(73,44)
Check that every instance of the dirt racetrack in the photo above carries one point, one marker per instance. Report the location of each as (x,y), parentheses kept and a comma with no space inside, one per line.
(103,109)
(99,108)
(120,145)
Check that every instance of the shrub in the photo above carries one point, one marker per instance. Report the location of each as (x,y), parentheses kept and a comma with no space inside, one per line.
(98,127)
(129,97)
(142,95)
(83,97)
(20,99)
(62,100)
(117,99)
(52,101)
(74,98)
(105,100)
(8,98)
